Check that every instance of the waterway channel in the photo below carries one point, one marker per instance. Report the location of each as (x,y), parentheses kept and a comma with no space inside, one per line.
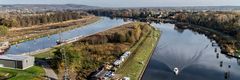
(50,41)
(195,55)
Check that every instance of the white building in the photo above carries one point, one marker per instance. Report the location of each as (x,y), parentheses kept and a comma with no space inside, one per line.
(16,61)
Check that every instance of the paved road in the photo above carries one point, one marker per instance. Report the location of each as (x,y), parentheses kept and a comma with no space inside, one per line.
(50,74)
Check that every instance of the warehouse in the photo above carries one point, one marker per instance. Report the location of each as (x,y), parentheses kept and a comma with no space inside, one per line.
(16,61)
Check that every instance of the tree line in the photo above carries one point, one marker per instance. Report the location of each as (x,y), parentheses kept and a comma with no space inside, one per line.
(123,13)
(26,20)
(130,35)
(226,22)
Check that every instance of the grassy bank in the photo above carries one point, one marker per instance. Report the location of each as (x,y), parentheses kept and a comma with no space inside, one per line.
(142,51)
(48,54)
(22,35)
(33,73)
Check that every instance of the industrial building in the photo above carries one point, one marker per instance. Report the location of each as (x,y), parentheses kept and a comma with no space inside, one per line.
(16,61)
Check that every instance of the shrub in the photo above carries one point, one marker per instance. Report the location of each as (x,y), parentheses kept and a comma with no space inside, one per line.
(3,30)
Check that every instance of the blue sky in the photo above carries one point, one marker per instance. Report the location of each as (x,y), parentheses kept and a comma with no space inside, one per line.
(130,3)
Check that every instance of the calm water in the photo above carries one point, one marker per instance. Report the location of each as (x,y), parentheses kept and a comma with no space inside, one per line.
(47,42)
(192,53)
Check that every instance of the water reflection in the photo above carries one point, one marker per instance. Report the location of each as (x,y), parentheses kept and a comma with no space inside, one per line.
(177,48)
(179,29)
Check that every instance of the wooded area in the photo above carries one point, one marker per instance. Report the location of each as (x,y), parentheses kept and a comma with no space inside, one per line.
(26,20)
(226,22)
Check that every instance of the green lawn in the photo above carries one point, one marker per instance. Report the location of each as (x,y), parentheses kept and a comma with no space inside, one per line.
(136,64)
(33,73)
(45,54)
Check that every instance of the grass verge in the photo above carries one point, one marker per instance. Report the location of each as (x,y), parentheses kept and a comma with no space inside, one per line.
(33,73)
(142,51)
(48,54)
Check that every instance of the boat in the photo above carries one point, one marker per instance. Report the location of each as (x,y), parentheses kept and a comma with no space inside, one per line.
(176,71)
(69,40)
(60,42)
(4,46)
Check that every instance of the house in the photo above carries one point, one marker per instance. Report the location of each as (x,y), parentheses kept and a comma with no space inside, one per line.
(16,61)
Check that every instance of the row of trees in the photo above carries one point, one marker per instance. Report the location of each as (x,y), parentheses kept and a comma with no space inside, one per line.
(25,20)
(126,13)
(130,35)
(226,22)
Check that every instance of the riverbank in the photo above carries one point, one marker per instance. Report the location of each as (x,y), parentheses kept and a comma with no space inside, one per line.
(18,35)
(134,67)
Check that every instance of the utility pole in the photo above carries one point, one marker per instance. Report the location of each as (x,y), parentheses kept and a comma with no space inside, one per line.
(64,57)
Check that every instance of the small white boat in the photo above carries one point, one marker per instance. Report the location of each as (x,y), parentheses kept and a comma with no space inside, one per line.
(176,71)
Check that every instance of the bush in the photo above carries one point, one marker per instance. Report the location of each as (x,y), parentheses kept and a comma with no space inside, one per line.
(3,30)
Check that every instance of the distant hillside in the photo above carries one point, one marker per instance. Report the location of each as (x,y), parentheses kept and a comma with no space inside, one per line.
(44,7)
(214,8)
(193,8)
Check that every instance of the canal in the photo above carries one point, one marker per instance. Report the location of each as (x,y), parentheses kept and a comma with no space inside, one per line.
(196,56)
(50,41)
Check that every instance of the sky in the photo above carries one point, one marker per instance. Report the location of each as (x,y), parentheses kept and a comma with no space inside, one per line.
(130,3)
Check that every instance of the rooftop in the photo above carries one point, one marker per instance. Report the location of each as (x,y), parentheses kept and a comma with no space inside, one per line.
(14,57)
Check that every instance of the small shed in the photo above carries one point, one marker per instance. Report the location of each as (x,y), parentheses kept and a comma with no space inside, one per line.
(16,61)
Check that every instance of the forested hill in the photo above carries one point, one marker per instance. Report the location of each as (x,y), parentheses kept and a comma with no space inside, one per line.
(43,7)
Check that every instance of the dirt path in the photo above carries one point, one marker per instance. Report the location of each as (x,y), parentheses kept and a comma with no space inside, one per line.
(50,74)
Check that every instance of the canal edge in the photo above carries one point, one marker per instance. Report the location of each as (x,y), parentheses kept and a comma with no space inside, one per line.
(148,60)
